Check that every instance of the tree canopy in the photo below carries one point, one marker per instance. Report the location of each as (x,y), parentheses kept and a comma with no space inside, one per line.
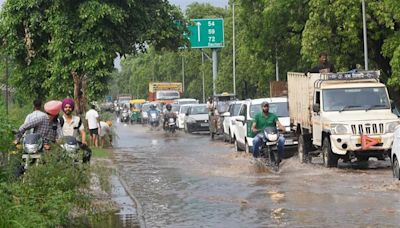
(53,41)
(58,45)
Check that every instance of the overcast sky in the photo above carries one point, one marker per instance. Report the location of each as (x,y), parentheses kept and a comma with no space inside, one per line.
(183,3)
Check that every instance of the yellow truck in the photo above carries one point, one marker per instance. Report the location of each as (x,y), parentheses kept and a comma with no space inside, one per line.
(341,116)
(165,92)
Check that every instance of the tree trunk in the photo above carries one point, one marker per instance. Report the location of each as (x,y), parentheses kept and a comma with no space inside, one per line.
(77,92)
(84,101)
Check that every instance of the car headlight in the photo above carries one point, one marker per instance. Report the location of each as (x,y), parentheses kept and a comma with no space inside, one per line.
(339,129)
(391,126)
(190,120)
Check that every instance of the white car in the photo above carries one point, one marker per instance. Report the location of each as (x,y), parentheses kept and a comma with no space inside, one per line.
(181,115)
(395,156)
(229,120)
(243,135)
(196,118)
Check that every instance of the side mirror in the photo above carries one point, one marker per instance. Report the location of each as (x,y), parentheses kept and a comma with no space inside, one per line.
(316,108)
(240,118)
(186,114)
(226,114)
(392,104)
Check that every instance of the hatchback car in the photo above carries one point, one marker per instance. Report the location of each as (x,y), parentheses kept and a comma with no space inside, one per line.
(196,118)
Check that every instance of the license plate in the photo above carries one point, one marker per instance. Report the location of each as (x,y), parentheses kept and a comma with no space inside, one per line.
(204,124)
(379,139)
(288,141)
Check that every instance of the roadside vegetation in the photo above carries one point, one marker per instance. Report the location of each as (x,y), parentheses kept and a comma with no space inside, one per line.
(56,192)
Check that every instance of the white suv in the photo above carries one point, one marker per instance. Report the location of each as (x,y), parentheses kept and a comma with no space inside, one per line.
(229,120)
(243,135)
(395,156)
(181,115)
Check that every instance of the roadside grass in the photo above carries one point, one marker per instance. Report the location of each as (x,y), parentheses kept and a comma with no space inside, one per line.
(100,153)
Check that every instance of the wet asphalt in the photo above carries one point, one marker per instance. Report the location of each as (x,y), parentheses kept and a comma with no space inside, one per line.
(189,180)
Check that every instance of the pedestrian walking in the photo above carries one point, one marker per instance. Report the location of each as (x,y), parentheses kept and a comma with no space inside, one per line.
(92,117)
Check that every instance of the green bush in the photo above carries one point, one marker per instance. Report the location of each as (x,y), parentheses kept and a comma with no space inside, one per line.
(46,194)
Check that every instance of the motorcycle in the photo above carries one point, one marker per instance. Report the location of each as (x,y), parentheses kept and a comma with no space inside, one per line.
(171,125)
(73,148)
(125,116)
(269,149)
(154,119)
(32,149)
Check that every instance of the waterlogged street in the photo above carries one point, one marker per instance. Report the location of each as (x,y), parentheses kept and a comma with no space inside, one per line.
(190,181)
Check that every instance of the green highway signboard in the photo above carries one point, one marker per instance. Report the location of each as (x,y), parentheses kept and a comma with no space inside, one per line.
(206,33)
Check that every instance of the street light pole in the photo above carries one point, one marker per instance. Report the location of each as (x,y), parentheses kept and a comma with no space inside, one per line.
(183,74)
(276,64)
(365,36)
(233,48)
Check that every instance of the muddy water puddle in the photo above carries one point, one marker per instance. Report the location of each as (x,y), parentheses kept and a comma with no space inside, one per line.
(191,181)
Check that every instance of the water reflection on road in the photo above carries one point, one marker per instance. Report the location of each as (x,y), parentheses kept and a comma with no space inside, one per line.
(191,181)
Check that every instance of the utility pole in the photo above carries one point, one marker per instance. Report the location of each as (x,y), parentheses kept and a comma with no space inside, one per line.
(183,74)
(214,69)
(365,35)
(276,64)
(233,48)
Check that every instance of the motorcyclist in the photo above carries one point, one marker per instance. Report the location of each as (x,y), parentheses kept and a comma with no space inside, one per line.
(262,120)
(153,108)
(46,126)
(168,114)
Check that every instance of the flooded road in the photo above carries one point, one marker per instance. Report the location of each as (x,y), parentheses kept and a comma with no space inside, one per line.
(191,181)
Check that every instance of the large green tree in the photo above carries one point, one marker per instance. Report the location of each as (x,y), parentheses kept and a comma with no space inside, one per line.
(67,47)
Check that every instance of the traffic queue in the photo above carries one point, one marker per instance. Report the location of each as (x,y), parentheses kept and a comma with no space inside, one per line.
(343,128)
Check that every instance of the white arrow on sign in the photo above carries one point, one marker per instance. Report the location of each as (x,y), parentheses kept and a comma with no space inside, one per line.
(198,31)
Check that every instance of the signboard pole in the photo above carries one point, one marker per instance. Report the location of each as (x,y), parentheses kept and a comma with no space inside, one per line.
(202,73)
(215,64)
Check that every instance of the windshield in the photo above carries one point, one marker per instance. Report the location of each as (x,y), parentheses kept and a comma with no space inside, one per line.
(145,108)
(235,110)
(167,95)
(355,99)
(223,106)
(280,109)
(184,109)
(199,110)
(175,108)
(188,102)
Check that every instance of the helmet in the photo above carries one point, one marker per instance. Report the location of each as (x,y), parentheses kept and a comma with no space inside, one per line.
(53,107)
(109,123)
(169,107)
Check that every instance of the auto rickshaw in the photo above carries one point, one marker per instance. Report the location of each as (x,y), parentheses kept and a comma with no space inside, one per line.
(136,108)
(220,105)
